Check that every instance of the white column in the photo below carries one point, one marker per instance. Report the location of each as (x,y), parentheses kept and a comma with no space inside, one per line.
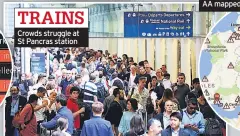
(120,47)
(200,30)
(172,58)
(128,50)
(158,55)
(92,43)
(132,48)
(135,47)
(27,56)
(150,51)
(163,52)
(22,60)
(125,47)
(141,49)
(185,59)
(159,47)
(185,54)
(112,45)
(106,44)
(171,45)
(193,58)
(198,46)
(200,23)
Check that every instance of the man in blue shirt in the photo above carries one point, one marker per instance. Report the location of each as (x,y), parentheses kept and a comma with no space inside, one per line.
(62,111)
(97,126)
(193,120)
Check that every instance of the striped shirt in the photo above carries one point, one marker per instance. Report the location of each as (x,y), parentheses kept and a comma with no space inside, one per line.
(90,90)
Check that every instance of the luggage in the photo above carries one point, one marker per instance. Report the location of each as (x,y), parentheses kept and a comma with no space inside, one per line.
(45,132)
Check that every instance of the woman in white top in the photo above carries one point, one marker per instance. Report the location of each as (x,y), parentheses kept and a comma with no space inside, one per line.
(62,124)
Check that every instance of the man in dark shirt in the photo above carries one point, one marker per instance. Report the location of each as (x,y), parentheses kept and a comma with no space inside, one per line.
(65,82)
(69,65)
(143,73)
(164,69)
(14,103)
(115,111)
(197,87)
(58,56)
(181,90)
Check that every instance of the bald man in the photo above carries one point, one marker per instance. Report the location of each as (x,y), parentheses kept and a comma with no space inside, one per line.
(149,70)
(164,117)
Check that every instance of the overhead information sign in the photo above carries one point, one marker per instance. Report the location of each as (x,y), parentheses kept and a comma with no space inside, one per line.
(158,24)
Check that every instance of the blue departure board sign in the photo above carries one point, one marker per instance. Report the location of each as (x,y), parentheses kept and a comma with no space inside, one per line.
(158,24)
(38,63)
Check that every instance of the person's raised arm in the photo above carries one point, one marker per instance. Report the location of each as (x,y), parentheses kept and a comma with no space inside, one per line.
(44,104)
(78,112)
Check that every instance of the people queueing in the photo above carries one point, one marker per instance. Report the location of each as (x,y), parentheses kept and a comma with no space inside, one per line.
(94,93)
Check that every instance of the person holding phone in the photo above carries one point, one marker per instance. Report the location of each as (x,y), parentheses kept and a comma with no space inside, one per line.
(193,120)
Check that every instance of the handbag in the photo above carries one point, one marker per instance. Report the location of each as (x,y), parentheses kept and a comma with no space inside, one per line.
(16,119)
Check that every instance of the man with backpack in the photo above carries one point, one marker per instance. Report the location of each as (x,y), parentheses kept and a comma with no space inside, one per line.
(89,90)
(214,126)
(26,119)
(14,103)
(101,89)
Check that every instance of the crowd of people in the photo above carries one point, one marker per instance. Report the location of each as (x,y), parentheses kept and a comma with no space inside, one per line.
(91,93)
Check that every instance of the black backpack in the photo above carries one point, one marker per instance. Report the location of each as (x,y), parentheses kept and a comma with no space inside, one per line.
(213,127)
(149,106)
(101,91)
